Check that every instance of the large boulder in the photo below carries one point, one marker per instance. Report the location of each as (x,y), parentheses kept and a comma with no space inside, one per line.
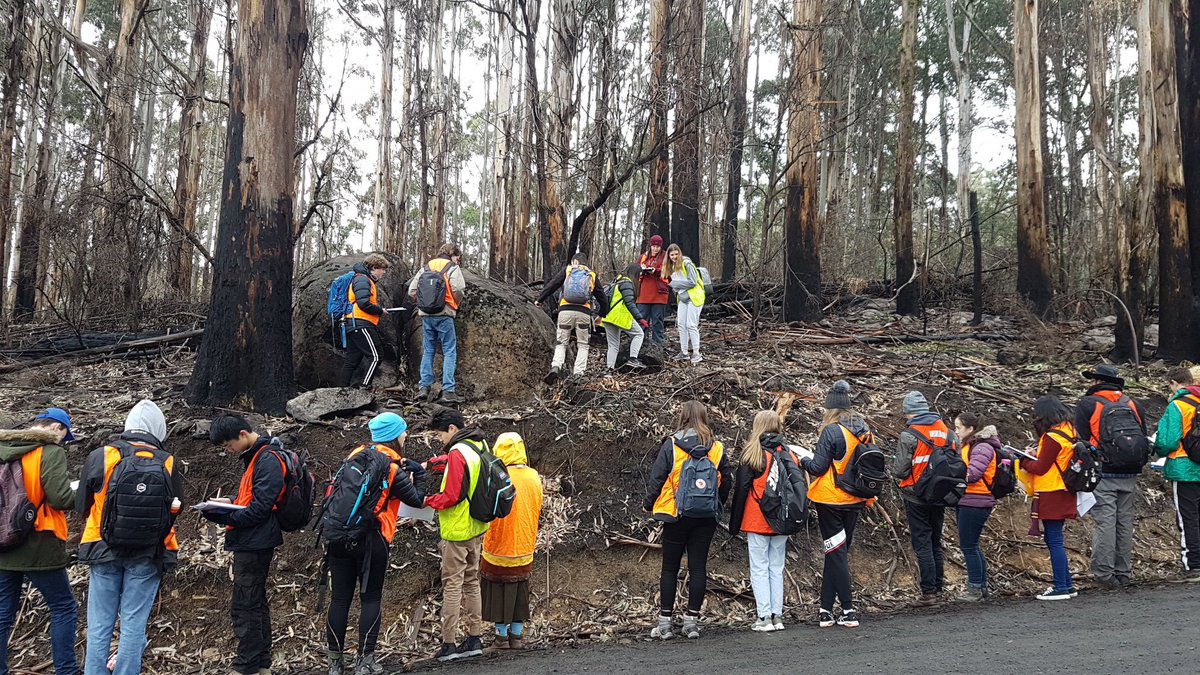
(318,362)
(504,343)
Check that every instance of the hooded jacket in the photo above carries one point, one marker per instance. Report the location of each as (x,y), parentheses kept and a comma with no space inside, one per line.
(831,447)
(1083,424)
(458,286)
(454,521)
(906,447)
(43,550)
(982,447)
(255,527)
(1169,438)
(664,467)
(745,514)
(511,541)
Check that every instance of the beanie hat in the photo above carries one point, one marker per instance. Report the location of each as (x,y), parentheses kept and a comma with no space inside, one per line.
(915,403)
(387,427)
(656,240)
(838,396)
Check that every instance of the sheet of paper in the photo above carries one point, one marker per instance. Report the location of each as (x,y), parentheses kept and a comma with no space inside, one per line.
(1084,501)
(407,511)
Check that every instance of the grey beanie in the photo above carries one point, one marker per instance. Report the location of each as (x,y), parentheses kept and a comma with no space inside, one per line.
(915,403)
(839,396)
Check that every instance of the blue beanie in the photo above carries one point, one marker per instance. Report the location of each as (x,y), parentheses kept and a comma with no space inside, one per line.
(387,427)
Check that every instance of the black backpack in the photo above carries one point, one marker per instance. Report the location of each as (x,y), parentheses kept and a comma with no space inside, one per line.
(17,513)
(1004,480)
(293,511)
(944,480)
(431,289)
(866,472)
(137,503)
(494,493)
(348,512)
(1123,445)
(1083,472)
(784,502)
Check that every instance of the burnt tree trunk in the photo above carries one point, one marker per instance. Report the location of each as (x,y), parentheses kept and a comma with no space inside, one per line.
(976,259)
(908,290)
(1033,245)
(246,353)
(1186,14)
(658,207)
(685,169)
(737,137)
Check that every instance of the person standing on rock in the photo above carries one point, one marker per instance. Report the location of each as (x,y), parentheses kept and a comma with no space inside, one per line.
(462,535)
(438,291)
(363,563)
(979,452)
(252,534)
(623,316)
(1176,432)
(131,491)
(1115,425)
(690,482)
(1052,503)
(580,294)
(689,287)
(42,556)
(654,288)
(362,323)
(843,433)
(509,545)
(925,434)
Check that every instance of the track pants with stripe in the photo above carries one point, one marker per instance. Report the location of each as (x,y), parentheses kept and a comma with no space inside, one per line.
(1187,510)
(363,343)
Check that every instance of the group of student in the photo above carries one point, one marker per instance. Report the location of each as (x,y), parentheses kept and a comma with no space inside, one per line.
(131,490)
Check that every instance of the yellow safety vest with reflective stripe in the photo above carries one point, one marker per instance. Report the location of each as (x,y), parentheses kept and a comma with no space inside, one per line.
(456,523)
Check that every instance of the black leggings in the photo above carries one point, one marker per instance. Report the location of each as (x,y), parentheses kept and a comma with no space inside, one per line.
(837,529)
(692,536)
(364,568)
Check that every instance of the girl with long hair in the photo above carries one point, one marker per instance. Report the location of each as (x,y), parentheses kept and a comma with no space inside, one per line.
(689,288)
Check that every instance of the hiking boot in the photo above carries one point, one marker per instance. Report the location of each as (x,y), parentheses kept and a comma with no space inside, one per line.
(763,625)
(423,394)
(337,663)
(553,376)
(972,595)
(449,397)
(662,629)
(848,619)
(635,364)
(1052,594)
(681,356)
(777,621)
(1191,576)
(472,646)
(691,627)
(516,642)
(825,619)
(367,665)
(448,652)
(696,358)
(926,600)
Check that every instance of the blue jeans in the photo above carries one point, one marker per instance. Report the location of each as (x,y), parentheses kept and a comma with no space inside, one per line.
(654,313)
(1053,531)
(439,329)
(56,591)
(970,526)
(127,588)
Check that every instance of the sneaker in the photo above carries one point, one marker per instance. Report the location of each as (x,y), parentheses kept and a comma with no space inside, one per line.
(449,397)
(1052,594)
(763,625)
(849,619)
(423,394)
(554,375)
(681,356)
(448,652)
(777,621)
(1073,591)
(825,619)
(662,629)
(635,364)
(691,627)
(367,665)
(696,358)
(1191,576)
(337,663)
(472,646)
(972,595)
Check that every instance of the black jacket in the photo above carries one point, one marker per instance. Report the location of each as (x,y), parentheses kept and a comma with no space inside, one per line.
(744,482)
(555,284)
(664,465)
(362,285)
(625,287)
(410,492)
(255,527)
(831,447)
(91,482)
(1083,422)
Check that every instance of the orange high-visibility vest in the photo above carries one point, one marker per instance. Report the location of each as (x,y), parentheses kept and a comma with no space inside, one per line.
(356,312)
(982,486)
(442,266)
(666,498)
(929,436)
(112,456)
(824,489)
(1052,481)
(48,519)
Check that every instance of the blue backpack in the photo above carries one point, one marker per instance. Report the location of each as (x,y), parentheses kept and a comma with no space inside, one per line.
(338,304)
(697,495)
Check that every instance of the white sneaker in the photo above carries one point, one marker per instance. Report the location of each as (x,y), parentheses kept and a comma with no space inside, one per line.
(696,358)
(777,621)
(662,630)
(763,625)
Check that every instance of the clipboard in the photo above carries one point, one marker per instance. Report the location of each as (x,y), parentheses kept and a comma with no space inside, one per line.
(216,506)
(1021,454)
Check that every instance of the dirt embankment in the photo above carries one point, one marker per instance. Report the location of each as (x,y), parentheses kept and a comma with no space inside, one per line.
(596,573)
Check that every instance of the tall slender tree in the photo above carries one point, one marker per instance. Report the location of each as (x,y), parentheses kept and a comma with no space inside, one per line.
(688,31)
(1033,243)
(658,206)
(739,68)
(908,296)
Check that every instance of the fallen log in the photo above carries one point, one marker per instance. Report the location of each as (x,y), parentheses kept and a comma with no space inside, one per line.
(113,349)
(906,338)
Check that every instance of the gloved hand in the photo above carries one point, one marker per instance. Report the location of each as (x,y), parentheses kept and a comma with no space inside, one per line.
(412,466)
(644,323)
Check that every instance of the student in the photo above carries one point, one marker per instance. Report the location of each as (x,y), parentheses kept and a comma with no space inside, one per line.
(621,316)
(1053,504)
(462,535)
(842,431)
(364,564)
(979,448)
(1176,425)
(362,323)
(251,534)
(579,292)
(925,431)
(691,534)
(686,282)
(508,548)
(42,558)
(443,276)
(767,548)
(654,290)
(1115,511)
(124,579)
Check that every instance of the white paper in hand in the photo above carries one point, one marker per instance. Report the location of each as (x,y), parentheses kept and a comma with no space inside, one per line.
(1084,501)
(425,514)
(801,452)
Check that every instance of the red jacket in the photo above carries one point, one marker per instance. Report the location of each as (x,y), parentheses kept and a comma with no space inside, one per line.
(653,288)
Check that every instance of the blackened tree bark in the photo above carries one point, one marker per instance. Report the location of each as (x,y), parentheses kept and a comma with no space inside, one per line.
(685,169)
(802,225)
(1033,240)
(908,296)
(246,354)
(737,136)
(1186,14)
(658,208)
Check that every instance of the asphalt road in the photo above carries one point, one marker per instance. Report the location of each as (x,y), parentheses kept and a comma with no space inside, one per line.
(1147,630)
